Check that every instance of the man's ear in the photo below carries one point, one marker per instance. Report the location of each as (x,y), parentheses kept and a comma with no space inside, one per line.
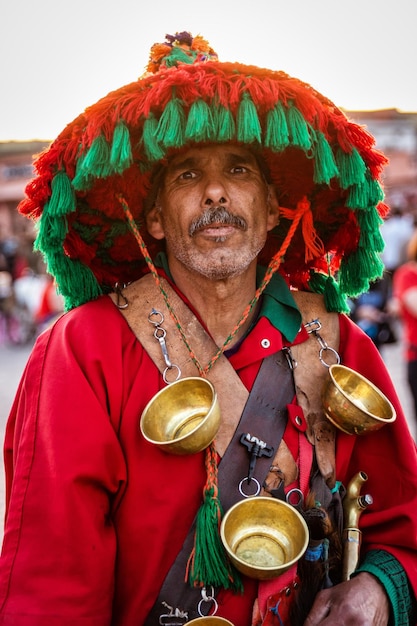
(154,223)
(273,208)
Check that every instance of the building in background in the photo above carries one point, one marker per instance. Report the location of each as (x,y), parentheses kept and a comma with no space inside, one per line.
(396,136)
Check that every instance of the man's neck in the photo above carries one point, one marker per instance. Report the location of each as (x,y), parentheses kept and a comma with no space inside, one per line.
(220,303)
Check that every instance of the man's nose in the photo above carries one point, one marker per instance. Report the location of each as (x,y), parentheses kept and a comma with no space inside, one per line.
(215,193)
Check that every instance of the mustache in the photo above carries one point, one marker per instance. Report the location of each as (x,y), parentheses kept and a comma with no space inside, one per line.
(216,215)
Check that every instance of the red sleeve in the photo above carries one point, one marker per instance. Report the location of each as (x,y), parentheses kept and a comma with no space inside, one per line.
(387,456)
(61,449)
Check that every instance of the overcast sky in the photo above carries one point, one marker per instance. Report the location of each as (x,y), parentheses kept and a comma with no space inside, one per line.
(59,56)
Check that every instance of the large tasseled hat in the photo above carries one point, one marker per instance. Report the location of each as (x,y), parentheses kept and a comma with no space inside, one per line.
(325,168)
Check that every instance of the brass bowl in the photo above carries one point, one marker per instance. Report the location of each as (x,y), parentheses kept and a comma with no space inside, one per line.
(210,620)
(354,404)
(263,536)
(182,418)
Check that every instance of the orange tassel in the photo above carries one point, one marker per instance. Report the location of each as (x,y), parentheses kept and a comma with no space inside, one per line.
(313,244)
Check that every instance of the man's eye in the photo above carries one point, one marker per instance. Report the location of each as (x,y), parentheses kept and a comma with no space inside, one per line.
(239,169)
(188,175)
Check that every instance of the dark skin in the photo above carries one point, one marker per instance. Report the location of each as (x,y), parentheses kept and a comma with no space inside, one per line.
(214,265)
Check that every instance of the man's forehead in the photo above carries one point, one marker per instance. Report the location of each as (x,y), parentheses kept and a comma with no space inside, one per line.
(229,152)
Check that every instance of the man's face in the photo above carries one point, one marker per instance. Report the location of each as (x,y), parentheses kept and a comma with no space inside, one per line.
(214,209)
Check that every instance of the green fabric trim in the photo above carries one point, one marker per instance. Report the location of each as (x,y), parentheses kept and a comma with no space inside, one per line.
(390,573)
(279,306)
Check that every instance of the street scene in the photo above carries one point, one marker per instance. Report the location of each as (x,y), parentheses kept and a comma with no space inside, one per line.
(208,313)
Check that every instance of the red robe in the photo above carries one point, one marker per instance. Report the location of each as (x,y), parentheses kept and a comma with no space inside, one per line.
(95,514)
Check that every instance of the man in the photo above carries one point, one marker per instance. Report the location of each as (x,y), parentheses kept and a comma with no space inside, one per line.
(235,174)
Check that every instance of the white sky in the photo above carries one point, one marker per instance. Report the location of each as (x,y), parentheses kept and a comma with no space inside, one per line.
(59,56)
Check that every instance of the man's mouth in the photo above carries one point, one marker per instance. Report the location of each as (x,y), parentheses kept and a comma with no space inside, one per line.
(217,219)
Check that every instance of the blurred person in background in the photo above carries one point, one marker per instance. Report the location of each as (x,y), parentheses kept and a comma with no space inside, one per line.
(396,232)
(405,303)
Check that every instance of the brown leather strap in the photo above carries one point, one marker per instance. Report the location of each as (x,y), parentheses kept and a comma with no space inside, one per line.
(310,375)
(264,417)
(142,296)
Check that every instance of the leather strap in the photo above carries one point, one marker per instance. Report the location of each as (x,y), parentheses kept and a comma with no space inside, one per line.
(310,375)
(142,296)
(264,417)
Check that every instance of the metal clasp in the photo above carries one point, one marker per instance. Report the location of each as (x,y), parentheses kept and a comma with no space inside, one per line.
(313,328)
(175,617)
(256,448)
(156,318)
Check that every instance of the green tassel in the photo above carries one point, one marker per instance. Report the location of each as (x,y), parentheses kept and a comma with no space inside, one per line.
(358,196)
(200,125)
(248,125)
(97,159)
(357,270)
(76,282)
(52,231)
(370,223)
(317,282)
(210,565)
(333,298)
(325,167)
(83,179)
(153,149)
(365,195)
(298,129)
(224,123)
(121,150)
(171,125)
(276,136)
(352,168)
(376,193)
(62,200)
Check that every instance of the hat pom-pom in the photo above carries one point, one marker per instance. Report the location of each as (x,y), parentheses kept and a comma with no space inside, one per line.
(180,48)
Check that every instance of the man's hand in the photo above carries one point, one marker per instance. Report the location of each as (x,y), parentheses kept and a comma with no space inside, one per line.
(361,601)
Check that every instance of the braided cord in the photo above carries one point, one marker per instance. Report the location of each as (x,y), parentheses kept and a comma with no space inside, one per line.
(303,207)
(152,268)
(270,271)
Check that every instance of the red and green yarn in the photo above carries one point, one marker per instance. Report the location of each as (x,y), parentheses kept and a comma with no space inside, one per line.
(208,564)
(311,149)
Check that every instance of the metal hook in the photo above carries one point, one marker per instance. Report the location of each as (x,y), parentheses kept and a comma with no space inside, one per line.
(118,290)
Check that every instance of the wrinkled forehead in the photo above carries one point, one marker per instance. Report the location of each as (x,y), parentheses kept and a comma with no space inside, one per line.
(202,155)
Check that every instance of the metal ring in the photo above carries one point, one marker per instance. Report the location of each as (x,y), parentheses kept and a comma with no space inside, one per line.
(331,350)
(168,369)
(215,605)
(159,333)
(299,493)
(155,312)
(249,495)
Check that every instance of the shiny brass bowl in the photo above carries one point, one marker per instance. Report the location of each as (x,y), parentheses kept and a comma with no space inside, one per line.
(210,620)
(263,536)
(354,404)
(182,418)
